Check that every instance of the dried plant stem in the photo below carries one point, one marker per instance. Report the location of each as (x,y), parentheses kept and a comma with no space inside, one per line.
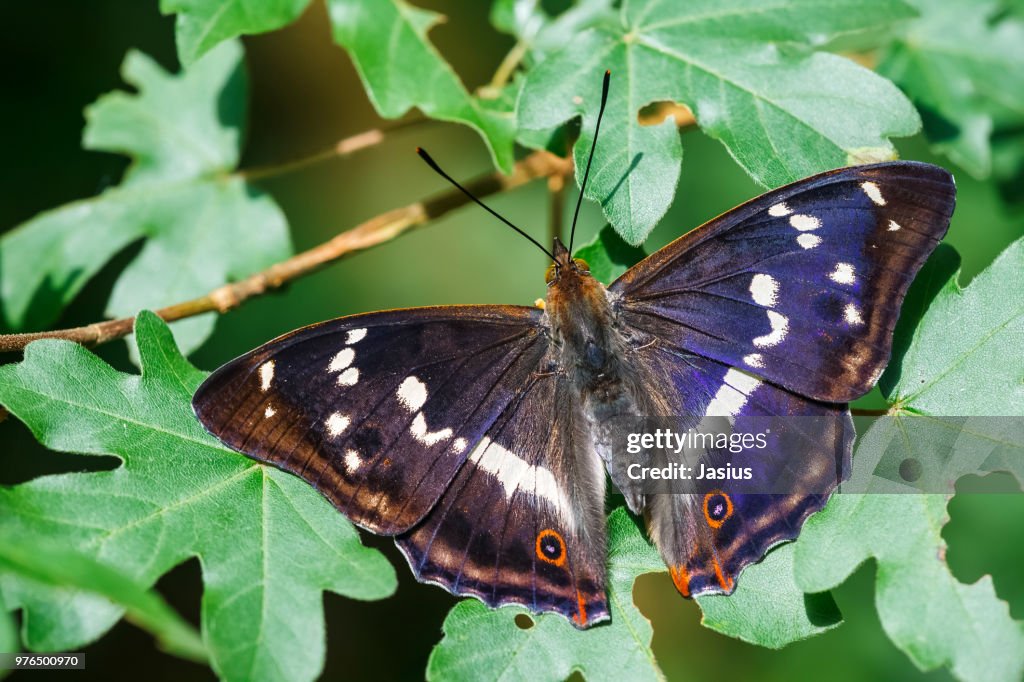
(556,188)
(345,147)
(376,230)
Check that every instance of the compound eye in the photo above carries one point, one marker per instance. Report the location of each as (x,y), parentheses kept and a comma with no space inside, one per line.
(549,276)
(581,264)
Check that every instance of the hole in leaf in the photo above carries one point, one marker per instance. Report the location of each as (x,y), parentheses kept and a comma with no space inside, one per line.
(984,535)
(524,621)
(654,114)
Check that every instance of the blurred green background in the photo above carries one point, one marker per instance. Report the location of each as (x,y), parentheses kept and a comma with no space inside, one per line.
(305,96)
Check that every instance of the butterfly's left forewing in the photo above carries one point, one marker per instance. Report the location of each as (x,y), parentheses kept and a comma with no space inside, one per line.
(377,411)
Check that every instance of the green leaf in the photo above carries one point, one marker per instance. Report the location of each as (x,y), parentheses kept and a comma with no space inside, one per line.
(767,609)
(609,256)
(203,24)
(401,69)
(200,226)
(965,357)
(964,68)
(387,40)
(750,74)
(484,643)
(539,33)
(68,572)
(941,266)
(268,543)
(8,636)
(924,610)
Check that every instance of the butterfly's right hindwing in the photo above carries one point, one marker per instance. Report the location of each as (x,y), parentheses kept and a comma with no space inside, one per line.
(376,411)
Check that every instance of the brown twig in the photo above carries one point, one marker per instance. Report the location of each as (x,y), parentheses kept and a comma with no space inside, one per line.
(345,147)
(556,189)
(865,412)
(374,231)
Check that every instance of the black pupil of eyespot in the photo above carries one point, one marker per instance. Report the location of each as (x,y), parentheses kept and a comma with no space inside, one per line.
(552,550)
(716,507)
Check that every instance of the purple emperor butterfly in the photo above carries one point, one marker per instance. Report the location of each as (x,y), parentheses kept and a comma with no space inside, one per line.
(478,436)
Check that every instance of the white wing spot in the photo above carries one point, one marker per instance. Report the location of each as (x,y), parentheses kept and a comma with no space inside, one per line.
(266,375)
(843,274)
(732,395)
(350,377)
(355,336)
(337,423)
(852,314)
(804,223)
(342,360)
(764,290)
(780,325)
(352,461)
(419,431)
(808,241)
(779,210)
(875,194)
(511,471)
(412,393)
(893,226)
(269,412)
(459,446)
(754,360)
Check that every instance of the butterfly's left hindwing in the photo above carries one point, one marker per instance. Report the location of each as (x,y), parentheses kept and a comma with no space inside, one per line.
(523,522)
(376,411)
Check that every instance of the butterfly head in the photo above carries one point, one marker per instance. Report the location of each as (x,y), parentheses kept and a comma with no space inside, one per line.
(565,266)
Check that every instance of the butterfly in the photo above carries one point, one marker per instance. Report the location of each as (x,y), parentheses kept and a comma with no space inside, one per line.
(479,436)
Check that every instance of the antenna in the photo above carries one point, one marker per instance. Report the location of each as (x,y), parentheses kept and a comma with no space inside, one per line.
(590,159)
(433,164)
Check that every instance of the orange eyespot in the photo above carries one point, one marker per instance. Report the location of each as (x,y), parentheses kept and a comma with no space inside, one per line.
(717,508)
(550,274)
(583,265)
(551,547)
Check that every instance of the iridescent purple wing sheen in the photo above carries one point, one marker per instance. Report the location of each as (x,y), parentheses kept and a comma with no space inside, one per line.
(377,411)
(523,521)
(708,538)
(801,286)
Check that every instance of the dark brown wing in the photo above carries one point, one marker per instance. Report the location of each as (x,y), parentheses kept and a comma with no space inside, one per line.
(377,411)
(801,286)
(523,521)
